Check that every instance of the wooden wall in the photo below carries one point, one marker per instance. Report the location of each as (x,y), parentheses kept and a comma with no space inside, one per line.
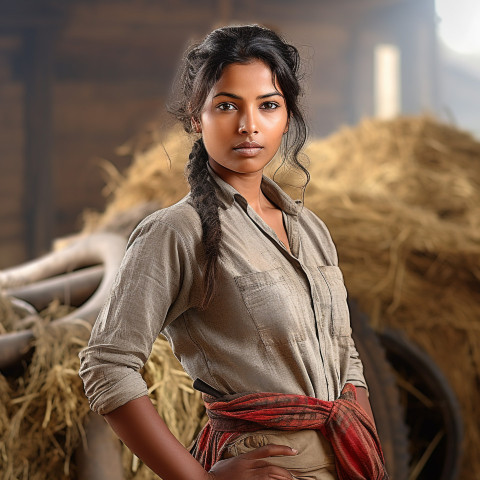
(12,139)
(110,65)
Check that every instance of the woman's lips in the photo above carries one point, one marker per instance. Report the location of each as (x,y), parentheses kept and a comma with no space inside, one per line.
(248,149)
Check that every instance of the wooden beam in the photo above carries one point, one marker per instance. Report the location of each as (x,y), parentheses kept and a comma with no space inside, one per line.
(38,200)
(21,14)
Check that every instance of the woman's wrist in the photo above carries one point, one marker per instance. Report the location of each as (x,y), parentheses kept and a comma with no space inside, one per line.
(362,399)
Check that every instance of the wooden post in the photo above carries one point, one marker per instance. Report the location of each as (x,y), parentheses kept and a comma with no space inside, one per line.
(419,58)
(225,8)
(101,458)
(38,200)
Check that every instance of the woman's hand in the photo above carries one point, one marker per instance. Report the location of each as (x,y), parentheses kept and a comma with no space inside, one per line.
(252,466)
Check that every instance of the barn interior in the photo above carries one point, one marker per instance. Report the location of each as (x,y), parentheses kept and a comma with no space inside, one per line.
(87,149)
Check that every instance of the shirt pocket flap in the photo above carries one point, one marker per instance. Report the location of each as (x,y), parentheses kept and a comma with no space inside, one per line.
(335,296)
(269,302)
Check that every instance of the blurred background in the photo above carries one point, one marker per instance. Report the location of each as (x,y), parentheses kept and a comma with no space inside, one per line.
(79,78)
(392,95)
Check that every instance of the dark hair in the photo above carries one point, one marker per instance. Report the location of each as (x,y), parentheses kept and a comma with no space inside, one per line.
(202,67)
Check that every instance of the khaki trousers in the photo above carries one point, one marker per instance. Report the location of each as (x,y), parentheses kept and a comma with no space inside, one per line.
(314,461)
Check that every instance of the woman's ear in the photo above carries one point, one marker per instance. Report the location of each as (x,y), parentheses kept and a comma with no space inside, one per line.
(196,125)
(286,128)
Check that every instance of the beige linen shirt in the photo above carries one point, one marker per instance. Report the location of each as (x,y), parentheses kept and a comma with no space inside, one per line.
(278,322)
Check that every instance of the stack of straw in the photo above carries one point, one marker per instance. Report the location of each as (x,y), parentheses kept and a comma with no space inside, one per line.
(43,411)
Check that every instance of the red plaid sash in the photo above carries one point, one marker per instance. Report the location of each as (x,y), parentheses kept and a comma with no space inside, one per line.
(351,432)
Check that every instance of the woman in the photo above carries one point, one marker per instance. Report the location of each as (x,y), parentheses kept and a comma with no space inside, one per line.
(242,281)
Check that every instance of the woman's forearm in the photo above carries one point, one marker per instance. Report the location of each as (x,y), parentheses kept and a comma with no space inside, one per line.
(139,426)
(362,399)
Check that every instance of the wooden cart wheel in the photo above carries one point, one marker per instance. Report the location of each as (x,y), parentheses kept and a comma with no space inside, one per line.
(432,410)
(105,249)
(384,395)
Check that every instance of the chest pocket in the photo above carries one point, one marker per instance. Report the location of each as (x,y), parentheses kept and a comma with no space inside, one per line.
(333,299)
(271,306)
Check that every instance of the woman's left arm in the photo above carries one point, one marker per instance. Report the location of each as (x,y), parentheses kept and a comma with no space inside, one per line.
(355,376)
(362,399)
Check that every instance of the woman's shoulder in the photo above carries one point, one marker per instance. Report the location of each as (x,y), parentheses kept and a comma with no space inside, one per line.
(317,231)
(309,217)
(180,219)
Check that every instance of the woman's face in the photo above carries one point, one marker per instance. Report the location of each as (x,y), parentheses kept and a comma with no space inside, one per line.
(243,119)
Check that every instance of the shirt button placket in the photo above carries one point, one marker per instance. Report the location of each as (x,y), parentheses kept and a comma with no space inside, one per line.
(317,315)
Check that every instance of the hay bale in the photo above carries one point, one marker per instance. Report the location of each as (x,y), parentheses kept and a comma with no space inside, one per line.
(42,412)
(402,200)
(155,176)
(41,418)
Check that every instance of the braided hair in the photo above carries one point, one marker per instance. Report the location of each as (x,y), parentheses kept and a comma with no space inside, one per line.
(202,67)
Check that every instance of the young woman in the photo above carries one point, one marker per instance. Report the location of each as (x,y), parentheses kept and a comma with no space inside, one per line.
(245,285)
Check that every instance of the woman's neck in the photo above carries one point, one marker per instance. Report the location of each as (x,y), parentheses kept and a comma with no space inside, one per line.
(246,184)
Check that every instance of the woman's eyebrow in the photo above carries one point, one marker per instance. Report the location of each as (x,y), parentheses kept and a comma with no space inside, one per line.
(232,95)
(273,94)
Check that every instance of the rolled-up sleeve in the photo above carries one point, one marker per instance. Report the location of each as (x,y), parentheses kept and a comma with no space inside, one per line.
(152,288)
(355,371)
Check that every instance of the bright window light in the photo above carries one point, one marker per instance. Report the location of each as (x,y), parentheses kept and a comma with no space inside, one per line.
(387,81)
(459,24)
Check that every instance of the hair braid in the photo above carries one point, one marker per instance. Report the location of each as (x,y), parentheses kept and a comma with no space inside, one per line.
(206,203)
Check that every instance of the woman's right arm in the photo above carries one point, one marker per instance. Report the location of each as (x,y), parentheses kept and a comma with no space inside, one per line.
(139,426)
(156,277)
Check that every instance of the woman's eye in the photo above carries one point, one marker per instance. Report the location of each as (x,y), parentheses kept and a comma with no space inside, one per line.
(270,105)
(226,106)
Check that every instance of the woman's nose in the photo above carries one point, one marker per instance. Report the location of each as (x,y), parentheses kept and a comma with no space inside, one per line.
(248,124)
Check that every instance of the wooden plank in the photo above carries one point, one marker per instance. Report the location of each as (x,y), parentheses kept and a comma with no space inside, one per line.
(11,185)
(97,62)
(12,173)
(99,121)
(12,228)
(11,157)
(5,68)
(11,163)
(72,92)
(11,117)
(11,92)
(81,198)
(11,253)
(68,222)
(79,179)
(154,15)
(116,116)
(12,224)
(12,135)
(10,212)
(72,157)
(23,14)
(104,32)
(39,51)
(10,42)
(11,139)
(12,246)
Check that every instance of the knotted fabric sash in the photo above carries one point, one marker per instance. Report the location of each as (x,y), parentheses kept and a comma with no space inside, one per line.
(351,432)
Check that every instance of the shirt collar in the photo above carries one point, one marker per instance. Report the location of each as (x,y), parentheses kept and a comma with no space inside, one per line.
(228,195)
